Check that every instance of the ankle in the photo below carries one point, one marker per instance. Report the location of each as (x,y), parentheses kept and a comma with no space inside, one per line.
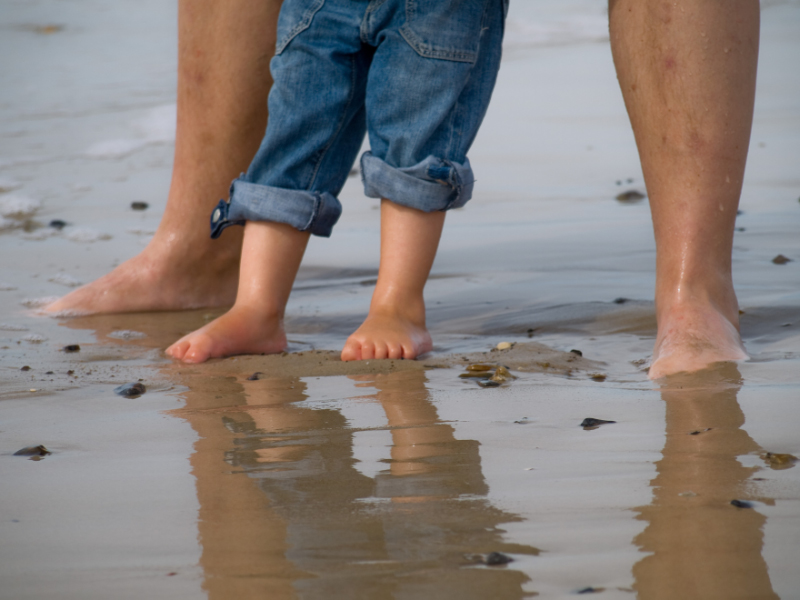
(409,307)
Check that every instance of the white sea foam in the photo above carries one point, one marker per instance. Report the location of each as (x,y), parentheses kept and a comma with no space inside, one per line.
(18,207)
(65,279)
(34,338)
(12,327)
(156,127)
(8,224)
(126,334)
(8,185)
(39,302)
(85,235)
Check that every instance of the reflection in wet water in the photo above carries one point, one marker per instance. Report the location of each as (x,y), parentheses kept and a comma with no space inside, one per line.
(285,513)
(701,546)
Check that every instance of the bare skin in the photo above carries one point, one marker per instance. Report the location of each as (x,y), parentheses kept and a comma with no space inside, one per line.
(271,256)
(223,83)
(395,326)
(687,71)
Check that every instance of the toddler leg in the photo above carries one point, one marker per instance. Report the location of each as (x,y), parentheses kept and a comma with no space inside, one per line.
(395,325)
(271,255)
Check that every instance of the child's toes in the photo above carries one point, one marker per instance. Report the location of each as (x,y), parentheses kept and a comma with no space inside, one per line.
(178,349)
(351,350)
(394,350)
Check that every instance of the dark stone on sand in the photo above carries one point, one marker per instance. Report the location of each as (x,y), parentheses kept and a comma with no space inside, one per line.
(740,229)
(742,504)
(781,259)
(57,224)
(598,377)
(72,348)
(33,451)
(489,383)
(591,423)
(699,431)
(578,352)
(620,300)
(70,372)
(138,205)
(590,590)
(497,558)
(630,196)
(25,368)
(254,376)
(130,390)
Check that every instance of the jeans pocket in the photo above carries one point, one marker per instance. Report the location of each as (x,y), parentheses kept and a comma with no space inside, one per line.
(445,29)
(295,17)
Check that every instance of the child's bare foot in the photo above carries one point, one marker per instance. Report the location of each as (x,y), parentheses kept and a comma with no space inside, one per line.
(162,277)
(387,334)
(691,338)
(241,330)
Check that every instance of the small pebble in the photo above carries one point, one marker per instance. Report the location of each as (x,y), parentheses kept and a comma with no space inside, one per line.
(254,376)
(620,300)
(578,352)
(32,451)
(598,377)
(139,205)
(630,196)
(71,348)
(57,224)
(742,504)
(491,559)
(780,461)
(699,431)
(504,345)
(489,383)
(591,423)
(25,368)
(590,590)
(480,368)
(130,390)
(781,260)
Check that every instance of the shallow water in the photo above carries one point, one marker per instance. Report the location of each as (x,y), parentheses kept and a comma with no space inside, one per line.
(376,483)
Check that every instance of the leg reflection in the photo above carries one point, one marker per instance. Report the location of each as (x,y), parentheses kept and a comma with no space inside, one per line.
(702,547)
(285,512)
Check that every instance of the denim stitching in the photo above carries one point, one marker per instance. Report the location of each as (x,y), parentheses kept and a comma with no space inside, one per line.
(304,24)
(341,124)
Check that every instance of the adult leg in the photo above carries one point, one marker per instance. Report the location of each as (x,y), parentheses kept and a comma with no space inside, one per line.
(687,70)
(395,326)
(223,81)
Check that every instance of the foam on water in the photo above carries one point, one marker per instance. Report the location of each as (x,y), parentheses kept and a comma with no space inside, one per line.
(12,327)
(34,338)
(156,127)
(64,279)
(8,185)
(39,302)
(126,334)
(17,206)
(85,235)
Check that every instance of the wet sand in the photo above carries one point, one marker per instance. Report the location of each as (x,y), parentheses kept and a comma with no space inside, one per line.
(384,479)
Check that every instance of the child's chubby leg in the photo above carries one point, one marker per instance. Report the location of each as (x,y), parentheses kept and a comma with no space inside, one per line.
(271,255)
(395,326)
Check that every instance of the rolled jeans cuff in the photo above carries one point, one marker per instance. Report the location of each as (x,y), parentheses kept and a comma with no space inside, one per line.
(431,185)
(315,212)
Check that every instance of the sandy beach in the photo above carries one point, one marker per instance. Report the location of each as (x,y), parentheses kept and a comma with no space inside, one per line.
(297,476)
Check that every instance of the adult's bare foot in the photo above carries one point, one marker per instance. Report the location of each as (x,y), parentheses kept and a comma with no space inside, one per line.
(242,330)
(387,334)
(691,338)
(163,277)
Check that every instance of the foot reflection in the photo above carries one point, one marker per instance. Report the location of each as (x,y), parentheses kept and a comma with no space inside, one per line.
(701,546)
(285,512)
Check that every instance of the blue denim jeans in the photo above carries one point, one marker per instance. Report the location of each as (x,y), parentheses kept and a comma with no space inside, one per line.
(416,75)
